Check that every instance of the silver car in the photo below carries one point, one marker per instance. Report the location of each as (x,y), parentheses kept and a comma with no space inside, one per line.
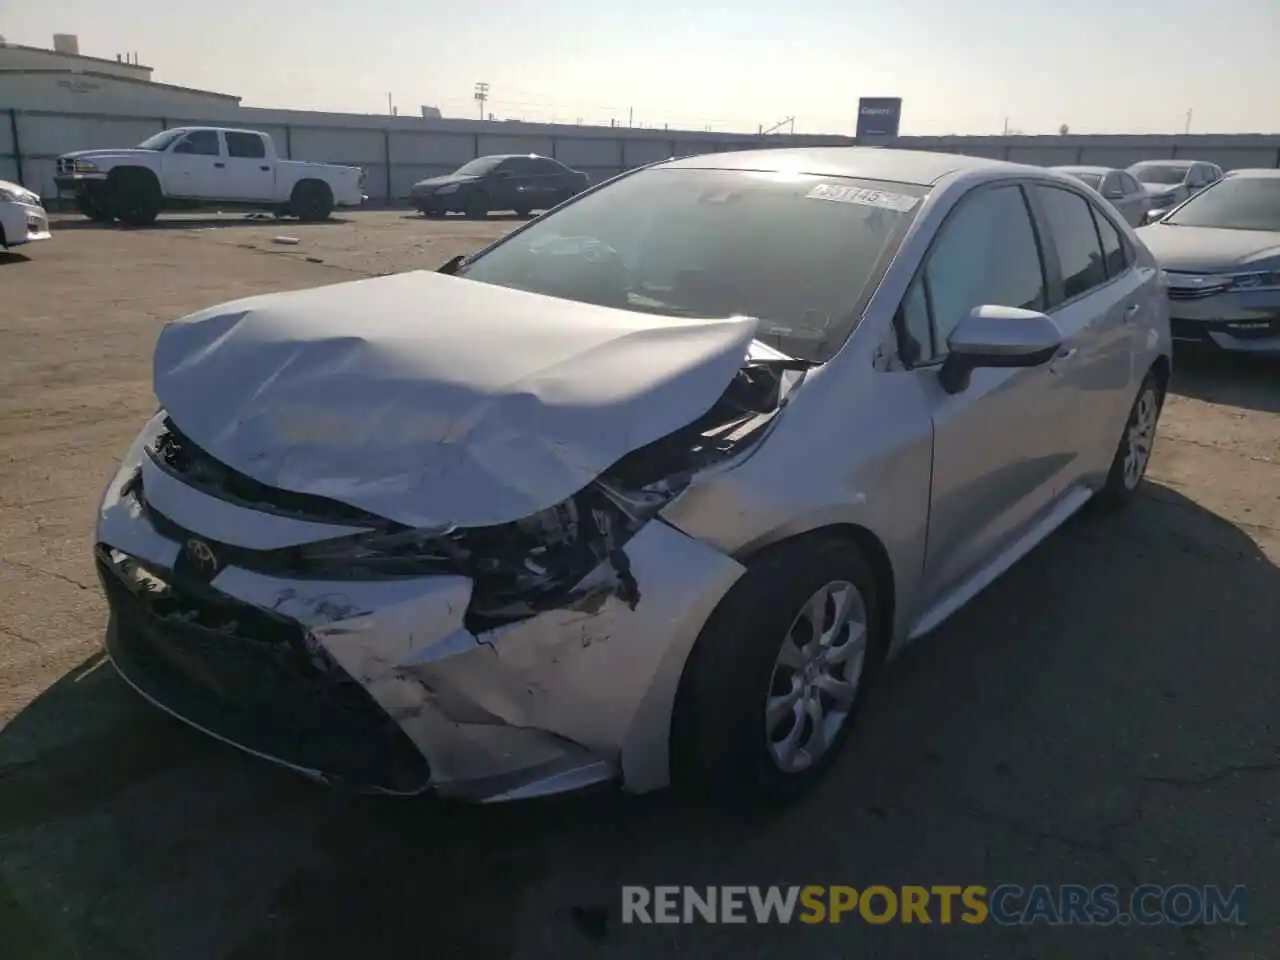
(1116,186)
(1169,182)
(646,491)
(1221,255)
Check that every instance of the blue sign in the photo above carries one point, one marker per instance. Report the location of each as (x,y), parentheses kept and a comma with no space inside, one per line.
(879,116)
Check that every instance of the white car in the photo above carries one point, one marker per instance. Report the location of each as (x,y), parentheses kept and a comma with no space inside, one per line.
(191,167)
(22,216)
(646,491)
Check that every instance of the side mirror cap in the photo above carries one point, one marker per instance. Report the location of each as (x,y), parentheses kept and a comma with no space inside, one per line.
(995,336)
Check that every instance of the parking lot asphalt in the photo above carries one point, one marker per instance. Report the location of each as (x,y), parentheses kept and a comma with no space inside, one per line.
(1105,713)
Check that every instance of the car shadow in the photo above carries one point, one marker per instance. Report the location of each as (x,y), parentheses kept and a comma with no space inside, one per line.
(201,222)
(1029,739)
(10,256)
(1239,381)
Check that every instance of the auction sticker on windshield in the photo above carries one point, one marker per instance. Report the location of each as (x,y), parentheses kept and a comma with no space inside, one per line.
(838,193)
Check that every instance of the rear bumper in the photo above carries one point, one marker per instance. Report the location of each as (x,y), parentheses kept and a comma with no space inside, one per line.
(23,223)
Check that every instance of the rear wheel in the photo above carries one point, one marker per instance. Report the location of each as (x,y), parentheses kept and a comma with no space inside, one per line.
(311,201)
(476,206)
(1134,451)
(774,682)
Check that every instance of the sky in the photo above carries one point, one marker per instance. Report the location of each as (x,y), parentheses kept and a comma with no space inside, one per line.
(1095,65)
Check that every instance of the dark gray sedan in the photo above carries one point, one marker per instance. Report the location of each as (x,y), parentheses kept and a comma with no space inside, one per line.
(522,183)
(1220,252)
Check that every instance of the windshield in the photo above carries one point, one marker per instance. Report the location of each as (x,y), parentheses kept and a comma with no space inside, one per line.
(1164,175)
(478,167)
(1088,179)
(1236,203)
(159,141)
(797,252)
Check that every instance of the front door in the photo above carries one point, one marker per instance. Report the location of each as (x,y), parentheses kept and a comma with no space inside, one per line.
(999,447)
(195,166)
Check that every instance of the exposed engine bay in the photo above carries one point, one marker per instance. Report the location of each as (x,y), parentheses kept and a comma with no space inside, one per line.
(518,569)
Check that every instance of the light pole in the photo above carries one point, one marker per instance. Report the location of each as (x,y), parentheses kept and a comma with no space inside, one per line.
(481,95)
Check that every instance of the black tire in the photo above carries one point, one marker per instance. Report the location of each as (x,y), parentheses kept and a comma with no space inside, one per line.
(93,208)
(311,201)
(732,669)
(1125,475)
(476,205)
(523,211)
(134,196)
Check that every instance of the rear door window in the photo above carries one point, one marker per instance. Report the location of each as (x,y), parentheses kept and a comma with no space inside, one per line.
(247,146)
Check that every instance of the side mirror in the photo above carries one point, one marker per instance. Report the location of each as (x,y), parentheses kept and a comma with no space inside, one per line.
(502,174)
(992,336)
(1114,195)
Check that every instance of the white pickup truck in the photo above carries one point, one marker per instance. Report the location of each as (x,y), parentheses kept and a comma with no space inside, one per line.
(190,167)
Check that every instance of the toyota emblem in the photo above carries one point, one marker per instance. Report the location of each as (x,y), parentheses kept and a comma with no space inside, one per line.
(202,556)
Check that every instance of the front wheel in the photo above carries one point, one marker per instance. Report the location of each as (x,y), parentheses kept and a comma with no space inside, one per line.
(93,208)
(775,680)
(1129,465)
(476,205)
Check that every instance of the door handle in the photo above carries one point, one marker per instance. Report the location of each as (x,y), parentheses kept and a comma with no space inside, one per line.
(219,164)
(1065,354)
(264,167)
(1132,310)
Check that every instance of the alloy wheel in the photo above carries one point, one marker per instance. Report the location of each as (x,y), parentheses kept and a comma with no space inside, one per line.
(1141,436)
(815,676)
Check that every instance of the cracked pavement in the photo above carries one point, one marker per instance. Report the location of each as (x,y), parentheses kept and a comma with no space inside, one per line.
(1105,713)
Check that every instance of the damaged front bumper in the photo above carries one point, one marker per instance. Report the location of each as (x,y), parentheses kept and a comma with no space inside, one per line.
(380,684)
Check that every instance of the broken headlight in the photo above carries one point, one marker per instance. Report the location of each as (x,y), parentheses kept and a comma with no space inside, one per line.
(517,568)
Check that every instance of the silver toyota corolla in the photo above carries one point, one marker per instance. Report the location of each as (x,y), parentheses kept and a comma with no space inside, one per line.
(646,491)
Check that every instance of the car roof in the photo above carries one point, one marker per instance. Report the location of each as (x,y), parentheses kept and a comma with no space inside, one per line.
(1255,173)
(513,156)
(1168,163)
(917,167)
(1083,168)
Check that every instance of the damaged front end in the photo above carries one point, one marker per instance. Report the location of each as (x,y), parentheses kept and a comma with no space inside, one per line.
(486,661)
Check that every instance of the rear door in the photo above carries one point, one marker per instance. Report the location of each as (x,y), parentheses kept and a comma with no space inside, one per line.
(513,185)
(1095,301)
(195,166)
(997,443)
(250,174)
(552,182)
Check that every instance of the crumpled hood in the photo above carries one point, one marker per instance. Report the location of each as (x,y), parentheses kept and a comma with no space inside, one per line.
(430,399)
(1209,249)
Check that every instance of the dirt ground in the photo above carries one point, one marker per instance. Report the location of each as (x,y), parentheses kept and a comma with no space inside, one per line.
(1106,713)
